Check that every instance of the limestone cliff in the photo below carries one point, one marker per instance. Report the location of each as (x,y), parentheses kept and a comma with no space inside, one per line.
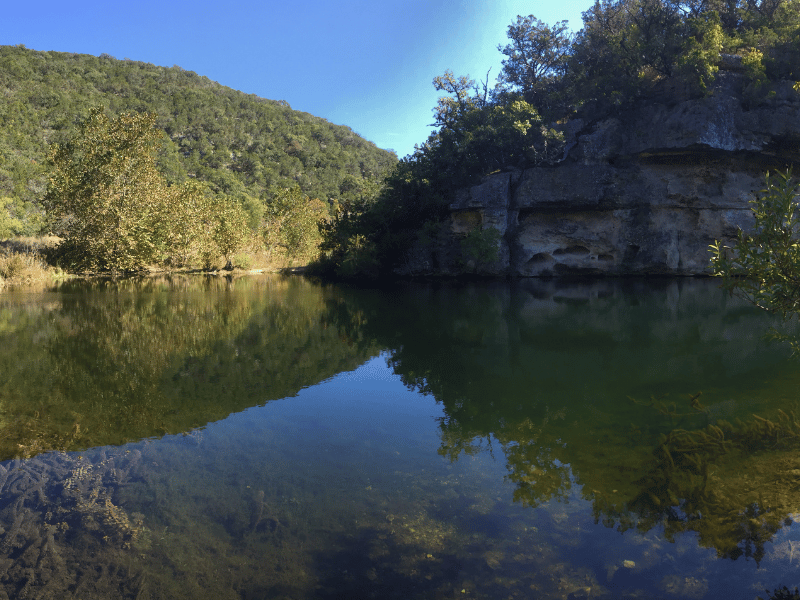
(645,192)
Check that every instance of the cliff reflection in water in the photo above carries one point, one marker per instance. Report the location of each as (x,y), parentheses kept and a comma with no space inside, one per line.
(669,407)
(105,363)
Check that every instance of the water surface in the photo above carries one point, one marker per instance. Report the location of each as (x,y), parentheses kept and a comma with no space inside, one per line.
(275,438)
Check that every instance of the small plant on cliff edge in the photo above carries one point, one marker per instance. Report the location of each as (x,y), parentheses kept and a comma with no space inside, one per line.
(764,266)
(481,247)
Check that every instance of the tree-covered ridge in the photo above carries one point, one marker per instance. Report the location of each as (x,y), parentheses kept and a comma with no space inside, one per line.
(243,146)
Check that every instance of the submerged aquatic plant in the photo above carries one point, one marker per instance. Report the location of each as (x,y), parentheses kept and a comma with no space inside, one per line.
(697,481)
(782,593)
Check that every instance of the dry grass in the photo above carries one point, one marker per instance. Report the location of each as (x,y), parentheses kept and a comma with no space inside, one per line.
(21,261)
(255,257)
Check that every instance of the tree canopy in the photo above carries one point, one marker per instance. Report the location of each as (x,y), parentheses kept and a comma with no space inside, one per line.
(106,198)
(239,144)
(536,58)
(116,212)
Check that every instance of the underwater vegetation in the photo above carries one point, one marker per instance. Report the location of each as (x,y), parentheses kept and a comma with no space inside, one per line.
(783,593)
(734,483)
(63,522)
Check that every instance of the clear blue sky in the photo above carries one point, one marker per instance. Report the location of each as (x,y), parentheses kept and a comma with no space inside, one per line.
(367,64)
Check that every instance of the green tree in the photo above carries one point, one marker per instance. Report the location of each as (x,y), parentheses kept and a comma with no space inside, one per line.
(764,266)
(189,225)
(106,198)
(230,229)
(536,58)
(10,226)
(292,224)
(624,48)
(478,135)
(480,247)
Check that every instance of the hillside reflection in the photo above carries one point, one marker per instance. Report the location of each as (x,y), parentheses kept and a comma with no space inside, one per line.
(662,400)
(101,363)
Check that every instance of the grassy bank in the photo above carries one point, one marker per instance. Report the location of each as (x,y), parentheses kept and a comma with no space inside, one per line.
(23,262)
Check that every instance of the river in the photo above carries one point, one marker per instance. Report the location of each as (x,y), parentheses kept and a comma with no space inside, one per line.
(271,437)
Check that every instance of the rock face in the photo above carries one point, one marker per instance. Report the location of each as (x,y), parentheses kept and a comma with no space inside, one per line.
(644,193)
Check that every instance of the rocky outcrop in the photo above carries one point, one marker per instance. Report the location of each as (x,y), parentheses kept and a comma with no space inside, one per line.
(642,193)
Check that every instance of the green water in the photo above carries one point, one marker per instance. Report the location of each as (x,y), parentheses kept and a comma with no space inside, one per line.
(269,437)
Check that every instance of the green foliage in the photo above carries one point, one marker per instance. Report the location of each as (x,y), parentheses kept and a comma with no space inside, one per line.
(230,230)
(238,144)
(9,225)
(764,266)
(292,224)
(242,261)
(188,225)
(536,59)
(481,246)
(624,48)
(19,218)
(478,136)
(106,198)
(628,48)
(115,211)
(698,61)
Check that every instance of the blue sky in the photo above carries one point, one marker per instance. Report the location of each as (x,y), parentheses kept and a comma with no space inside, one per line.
(365,64)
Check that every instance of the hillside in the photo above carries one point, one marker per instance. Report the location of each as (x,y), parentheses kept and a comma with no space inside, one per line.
(242,145)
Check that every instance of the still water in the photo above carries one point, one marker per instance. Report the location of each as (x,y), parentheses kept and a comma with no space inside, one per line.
(270,437)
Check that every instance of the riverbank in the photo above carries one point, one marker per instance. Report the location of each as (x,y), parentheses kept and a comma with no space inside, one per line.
(23,263)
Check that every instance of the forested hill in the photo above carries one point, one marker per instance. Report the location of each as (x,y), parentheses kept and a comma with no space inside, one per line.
(242,145)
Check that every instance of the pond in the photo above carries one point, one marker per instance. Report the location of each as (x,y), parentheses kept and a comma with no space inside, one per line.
(270,437)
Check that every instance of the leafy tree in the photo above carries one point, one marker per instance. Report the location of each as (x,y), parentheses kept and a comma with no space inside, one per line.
(19,218)
(477,135)
(480,246)
(624,48)
(292,224)
(115,211)
(9,225)
(536,58)
(230,229)
(764,266)
(698,60)
(106,198)
(189,225)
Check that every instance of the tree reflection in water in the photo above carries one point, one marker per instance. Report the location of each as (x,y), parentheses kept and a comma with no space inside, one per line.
(517,372)
(538,375)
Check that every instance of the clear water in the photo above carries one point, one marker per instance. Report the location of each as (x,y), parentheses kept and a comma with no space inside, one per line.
(274,438)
